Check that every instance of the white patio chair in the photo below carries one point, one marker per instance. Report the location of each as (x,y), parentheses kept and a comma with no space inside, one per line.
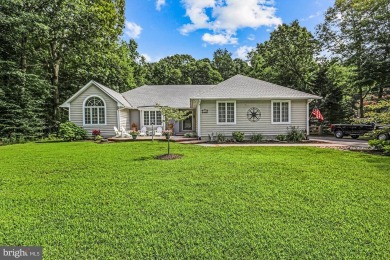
(142,132)
(117,132)
(124,133)
(158,131)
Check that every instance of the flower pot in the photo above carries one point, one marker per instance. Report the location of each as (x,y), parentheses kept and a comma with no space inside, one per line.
(134,137)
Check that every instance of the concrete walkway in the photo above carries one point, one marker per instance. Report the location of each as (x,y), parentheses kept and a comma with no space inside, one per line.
(347,141)
(277,144)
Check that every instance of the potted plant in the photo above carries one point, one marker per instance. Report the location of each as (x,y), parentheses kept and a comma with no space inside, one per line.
(134,134)
(95,133)
(134,127)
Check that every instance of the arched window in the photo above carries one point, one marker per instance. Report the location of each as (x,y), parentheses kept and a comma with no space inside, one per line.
(94,111)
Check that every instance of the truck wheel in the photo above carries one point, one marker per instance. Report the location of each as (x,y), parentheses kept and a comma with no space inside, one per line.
(354,136)
(382,137)
(338,134)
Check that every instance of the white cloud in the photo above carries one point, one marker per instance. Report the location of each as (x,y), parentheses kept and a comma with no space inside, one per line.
(159,4)
(243,51)
(227,16)
(219,39)
(196,11)
(240,14)
(312,16)
(132,30)
(147,57)
(251,37)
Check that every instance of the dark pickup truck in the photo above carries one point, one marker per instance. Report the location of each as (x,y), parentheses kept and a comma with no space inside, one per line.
(354,130)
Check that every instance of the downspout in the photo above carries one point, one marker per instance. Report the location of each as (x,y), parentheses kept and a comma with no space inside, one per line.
(307,118)
(198,119)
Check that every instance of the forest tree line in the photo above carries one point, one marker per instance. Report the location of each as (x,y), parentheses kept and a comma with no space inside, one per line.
(49,49)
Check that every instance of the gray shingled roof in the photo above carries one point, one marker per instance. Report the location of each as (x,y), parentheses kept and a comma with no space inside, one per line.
(177,96)
(242,87)
(114,94)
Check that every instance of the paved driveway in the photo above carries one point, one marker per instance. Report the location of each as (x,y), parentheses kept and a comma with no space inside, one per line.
(341,141)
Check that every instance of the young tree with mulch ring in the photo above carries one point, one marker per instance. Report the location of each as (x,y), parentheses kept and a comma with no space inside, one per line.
(172,114)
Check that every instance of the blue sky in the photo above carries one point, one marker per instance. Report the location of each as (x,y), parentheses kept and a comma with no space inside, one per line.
(199,27)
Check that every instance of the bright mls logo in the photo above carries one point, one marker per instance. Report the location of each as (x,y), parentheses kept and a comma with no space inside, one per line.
(20,252)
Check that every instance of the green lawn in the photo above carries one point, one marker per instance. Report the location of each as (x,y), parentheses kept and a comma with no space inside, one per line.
(114,201)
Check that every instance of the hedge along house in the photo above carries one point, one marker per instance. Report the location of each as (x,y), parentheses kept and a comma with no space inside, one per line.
(237,104)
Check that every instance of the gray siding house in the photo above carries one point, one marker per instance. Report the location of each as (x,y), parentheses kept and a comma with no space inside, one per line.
(238,104)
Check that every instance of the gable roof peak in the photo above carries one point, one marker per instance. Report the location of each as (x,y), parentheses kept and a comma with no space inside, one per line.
(110,92)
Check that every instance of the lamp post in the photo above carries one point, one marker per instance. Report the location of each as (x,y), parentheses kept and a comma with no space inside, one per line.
(152,131)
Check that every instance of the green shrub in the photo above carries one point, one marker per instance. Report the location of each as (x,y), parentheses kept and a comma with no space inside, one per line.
(5,141)
(51,138)
(189,135)
(257,138)
(295,135)
(13,139)
(69,131)
(22,139)
(16,138)
(221,138)
(98,138)
(238,136)
(380,145)
(377,132)
(281,137)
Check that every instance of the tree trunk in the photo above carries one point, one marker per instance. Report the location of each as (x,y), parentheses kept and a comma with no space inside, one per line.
(380,92)
(23,63)
(361,105)
(23,56)
(55,69)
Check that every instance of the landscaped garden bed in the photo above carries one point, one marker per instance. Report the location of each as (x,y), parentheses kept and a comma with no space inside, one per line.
(267,141)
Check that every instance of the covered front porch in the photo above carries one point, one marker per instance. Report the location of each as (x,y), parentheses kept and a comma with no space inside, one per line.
(179,139)
(151,118)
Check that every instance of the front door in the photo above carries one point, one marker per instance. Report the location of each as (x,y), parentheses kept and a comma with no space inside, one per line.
(187,124)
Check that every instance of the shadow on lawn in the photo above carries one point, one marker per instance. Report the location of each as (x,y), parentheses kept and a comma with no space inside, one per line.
(168,157)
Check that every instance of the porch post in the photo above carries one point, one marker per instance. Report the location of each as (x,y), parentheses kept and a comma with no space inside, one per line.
(118,118)
(198,119)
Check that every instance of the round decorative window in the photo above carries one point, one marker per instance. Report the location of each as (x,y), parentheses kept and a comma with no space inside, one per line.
(253,114)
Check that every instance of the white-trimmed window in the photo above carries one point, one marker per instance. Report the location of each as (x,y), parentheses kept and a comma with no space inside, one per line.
(281,111)
(152,116)
(94,111)
(226,112)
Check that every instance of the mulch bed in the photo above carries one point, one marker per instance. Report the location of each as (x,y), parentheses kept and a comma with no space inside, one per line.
(366,150)
(267,142)
(168,157)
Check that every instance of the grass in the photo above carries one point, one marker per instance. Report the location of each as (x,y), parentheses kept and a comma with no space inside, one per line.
(114,201)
